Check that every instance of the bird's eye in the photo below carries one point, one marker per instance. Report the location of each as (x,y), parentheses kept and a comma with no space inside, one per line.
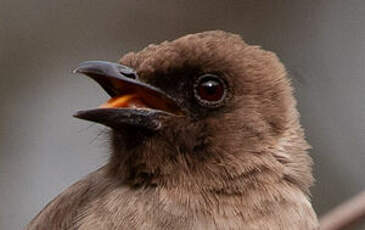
(210,90)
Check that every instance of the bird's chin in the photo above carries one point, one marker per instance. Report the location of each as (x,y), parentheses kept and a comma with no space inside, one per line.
(133,102)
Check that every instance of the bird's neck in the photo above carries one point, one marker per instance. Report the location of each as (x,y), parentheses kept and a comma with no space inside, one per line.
(271,183)
(139,161)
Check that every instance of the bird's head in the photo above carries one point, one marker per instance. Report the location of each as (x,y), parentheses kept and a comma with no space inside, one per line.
(206,108)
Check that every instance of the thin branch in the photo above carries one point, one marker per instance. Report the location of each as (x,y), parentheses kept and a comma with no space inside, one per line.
(345,214)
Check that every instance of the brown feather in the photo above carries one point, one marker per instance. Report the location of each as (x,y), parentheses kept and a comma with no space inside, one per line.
(244,166)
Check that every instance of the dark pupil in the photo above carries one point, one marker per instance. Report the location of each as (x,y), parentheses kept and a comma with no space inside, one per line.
(211,90)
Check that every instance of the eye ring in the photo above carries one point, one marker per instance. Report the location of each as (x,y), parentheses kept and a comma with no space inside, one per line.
(210,90)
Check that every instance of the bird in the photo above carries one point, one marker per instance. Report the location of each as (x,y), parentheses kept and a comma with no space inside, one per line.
(204,134)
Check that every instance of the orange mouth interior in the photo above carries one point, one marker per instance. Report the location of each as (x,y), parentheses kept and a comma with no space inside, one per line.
(142,100)
(129,100)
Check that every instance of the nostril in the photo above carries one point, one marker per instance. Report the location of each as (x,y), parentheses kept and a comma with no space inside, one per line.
(128,72)
(131,75)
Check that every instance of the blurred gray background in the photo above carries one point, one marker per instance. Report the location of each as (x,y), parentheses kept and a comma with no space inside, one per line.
(43,149)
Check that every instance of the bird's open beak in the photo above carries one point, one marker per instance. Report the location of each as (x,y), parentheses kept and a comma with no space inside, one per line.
(133,102)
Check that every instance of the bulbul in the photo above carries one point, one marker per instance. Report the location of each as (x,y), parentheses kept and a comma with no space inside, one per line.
(205,135)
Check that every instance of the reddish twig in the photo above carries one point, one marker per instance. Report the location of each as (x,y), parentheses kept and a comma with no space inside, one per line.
(345,214)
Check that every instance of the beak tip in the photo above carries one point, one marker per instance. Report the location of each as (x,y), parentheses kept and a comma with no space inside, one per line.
(86,66)
(77,70)
(78,114)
